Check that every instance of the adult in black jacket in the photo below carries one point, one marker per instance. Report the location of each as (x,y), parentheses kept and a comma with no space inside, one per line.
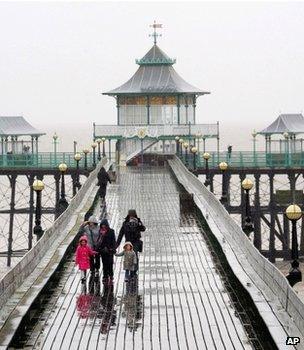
(131,229)
(103,179)
(106,247)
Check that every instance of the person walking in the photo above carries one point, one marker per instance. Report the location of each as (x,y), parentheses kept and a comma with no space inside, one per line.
(91,230)
(103,179)
(229,151)
(83,255)
(130,260)
(106,247)
(131,229)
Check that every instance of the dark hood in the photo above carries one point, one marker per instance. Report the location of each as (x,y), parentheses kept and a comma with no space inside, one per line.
(105,222)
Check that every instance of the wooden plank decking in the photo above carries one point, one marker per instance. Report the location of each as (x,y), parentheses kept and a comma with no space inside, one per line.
(182,302)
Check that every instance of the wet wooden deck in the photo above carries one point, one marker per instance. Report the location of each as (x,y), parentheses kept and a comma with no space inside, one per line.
(182,302)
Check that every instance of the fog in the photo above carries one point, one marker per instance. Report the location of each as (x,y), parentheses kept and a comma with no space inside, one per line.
(57,58)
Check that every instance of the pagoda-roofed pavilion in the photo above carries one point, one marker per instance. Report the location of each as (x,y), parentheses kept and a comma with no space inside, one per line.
(18,136)
(283,146)
(155,104)
(286,127)
(156,93)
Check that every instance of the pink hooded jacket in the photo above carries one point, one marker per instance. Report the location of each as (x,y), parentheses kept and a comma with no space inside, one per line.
(83,254)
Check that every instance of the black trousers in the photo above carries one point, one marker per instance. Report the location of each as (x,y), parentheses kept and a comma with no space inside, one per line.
(135,248)
(102,191)
(94,262)
(107,263)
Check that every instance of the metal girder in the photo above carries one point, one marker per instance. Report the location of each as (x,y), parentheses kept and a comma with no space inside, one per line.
(267,222)
(27,210)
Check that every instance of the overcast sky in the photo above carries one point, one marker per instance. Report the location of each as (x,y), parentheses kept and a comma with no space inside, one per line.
(57,58)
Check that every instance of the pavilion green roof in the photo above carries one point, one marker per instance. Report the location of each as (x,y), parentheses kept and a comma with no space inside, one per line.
(290,123)
(156,75)
(155,56)
(17,126)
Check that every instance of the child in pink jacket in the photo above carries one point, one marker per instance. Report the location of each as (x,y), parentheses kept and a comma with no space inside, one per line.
(83,254)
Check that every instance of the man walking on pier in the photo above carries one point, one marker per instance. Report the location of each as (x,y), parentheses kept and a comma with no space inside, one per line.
(103,179)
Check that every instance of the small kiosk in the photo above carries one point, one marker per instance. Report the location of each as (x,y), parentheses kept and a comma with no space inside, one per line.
(19,141)
(283,144)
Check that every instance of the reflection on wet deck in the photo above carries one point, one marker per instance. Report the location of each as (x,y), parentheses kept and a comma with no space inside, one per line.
(181,302)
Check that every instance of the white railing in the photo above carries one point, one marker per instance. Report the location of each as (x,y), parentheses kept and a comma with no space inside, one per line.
(270,281)
(128,131)
(136,149)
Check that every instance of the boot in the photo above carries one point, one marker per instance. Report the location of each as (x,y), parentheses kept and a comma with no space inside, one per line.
(97,282)
(91,283)
(83,285)
(96,276)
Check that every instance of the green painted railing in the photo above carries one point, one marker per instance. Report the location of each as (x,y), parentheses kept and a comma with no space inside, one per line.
(42,160)
(249,160)
(235,160)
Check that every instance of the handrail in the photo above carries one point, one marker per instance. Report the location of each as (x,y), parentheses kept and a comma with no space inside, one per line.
(271,277)
(248,159)
(42,160)
(15,277)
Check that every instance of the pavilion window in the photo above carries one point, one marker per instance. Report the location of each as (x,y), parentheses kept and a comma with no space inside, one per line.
(163,110)
(190,114)
(186,110)
(133,110)
(169,114)
(155,114)
(182,110)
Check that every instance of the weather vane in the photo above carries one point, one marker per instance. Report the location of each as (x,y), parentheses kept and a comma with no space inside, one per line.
(155,34)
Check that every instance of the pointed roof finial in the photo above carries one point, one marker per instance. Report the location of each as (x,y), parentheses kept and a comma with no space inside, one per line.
(155,34)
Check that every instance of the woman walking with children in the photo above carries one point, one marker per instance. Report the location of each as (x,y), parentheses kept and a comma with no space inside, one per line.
(98,243)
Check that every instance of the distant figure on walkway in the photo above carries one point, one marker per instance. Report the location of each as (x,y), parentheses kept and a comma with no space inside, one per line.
(90,229)
(103,179)
(106,247)
(83,255)
(130,260)
(131,229)
(229,149)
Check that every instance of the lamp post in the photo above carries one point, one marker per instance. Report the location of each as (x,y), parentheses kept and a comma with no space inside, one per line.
(77,158)
(198,135)
(186,145)
(94,145)
(223,167)
(38,187)
(177,145)
(103,146)
(286,135)
(194,151)
(99,154)
(206,156)
(62,203)
(294,213)
(254,134)
(204,144)
(181,141)
(247,185)
(55,138)
(86,152)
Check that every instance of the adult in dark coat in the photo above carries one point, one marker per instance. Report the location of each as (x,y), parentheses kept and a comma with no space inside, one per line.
(103,179)
(106,247)
(131,229)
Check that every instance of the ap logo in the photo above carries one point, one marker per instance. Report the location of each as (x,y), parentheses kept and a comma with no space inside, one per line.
(292,340)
